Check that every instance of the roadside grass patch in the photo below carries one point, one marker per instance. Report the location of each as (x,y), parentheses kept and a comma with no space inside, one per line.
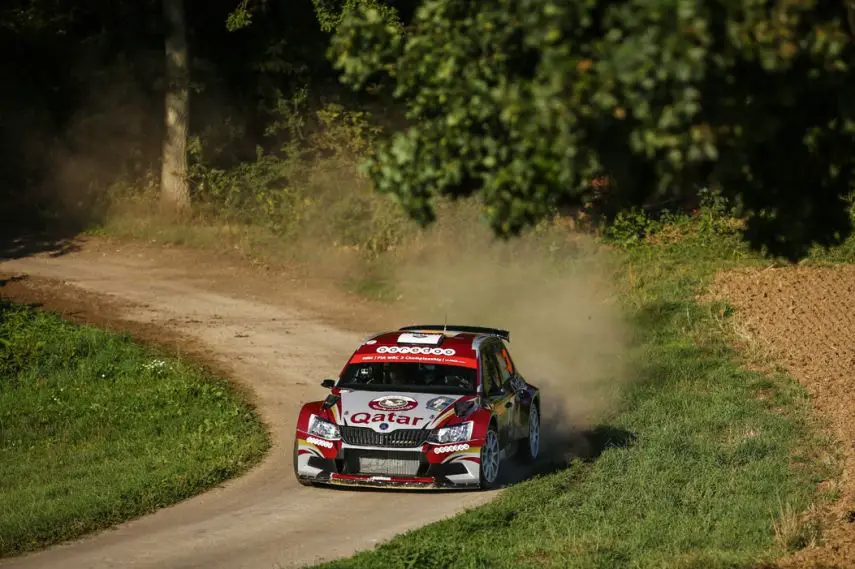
(710,479)
(95,430)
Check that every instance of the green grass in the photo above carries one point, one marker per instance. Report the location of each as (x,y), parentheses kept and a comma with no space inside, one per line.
(714,476)
(95,430)
(723,460)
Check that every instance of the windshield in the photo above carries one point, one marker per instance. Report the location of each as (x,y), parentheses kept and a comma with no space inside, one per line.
(410,376)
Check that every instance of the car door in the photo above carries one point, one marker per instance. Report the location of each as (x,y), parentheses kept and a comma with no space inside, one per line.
(506,376)
(499,396)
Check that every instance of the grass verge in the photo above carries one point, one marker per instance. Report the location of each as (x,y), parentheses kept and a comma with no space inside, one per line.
(713,476)
(95,430)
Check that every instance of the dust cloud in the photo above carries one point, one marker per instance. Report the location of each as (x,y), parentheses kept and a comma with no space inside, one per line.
(552,291)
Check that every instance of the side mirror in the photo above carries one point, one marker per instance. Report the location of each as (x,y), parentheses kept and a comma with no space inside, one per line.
(497,392)
(328,383)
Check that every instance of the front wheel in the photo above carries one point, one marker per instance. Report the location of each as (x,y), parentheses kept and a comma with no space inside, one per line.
(530,446)
(490,460)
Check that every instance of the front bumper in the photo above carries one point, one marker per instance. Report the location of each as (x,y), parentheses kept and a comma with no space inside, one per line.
(430,467)
(393,482)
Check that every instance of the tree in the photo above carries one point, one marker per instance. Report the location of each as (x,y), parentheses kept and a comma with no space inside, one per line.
(175,192)
(525,102)
(331,12)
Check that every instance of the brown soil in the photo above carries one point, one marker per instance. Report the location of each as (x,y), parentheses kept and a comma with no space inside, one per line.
(803,318)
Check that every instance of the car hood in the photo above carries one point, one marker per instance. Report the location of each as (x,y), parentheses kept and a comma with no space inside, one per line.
(385,411)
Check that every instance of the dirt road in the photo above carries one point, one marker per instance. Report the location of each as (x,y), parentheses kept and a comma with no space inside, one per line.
(276,336)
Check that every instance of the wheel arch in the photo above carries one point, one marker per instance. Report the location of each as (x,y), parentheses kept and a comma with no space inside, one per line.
(307,410)
(535,402)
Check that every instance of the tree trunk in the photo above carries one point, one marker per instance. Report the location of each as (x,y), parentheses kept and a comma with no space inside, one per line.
(174,190)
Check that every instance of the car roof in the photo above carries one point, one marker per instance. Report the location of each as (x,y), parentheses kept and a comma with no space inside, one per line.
(450,339)
(451,346)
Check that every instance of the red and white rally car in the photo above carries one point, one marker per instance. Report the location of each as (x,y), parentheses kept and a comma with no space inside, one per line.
(421,407)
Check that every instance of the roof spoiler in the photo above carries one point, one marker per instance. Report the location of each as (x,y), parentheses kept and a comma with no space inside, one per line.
(503,334)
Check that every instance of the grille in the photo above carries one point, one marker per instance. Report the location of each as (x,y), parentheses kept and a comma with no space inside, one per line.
(402,438)
(390,463)
(390,466)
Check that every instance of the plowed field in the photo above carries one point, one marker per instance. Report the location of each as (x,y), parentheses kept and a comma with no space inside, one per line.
(804,319)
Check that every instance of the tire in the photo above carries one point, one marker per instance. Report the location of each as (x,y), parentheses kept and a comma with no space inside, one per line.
(488,470)
(529,447)
(302,481)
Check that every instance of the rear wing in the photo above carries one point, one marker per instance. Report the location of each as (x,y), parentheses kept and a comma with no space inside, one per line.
(503,334)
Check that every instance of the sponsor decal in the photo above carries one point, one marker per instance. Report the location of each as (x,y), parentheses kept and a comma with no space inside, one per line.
(451,448)
(465,362)
(319,442)
(365,418)
(393,403)
(415,350)
(371,342)
(418,358)
(439,403)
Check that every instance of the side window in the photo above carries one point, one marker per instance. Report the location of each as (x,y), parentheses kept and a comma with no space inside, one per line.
(503,362)
(489,373)
(509,361)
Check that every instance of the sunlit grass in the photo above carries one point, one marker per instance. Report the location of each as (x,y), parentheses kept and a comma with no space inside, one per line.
(95,430)
(713,477)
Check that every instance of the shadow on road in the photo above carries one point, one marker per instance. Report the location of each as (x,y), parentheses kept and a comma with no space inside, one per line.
(16,245)
(11,280)
(586,445)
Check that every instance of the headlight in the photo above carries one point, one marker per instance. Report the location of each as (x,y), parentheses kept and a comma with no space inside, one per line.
(456,434)
(324,429)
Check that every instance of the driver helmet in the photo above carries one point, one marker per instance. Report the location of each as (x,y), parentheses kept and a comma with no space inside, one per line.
(398,374)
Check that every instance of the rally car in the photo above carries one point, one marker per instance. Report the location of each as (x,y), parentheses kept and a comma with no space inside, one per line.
(421,407)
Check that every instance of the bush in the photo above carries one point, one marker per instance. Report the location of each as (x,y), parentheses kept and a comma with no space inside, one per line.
(715,215)
(311,187)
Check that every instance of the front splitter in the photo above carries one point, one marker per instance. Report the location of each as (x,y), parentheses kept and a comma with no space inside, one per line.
(390,482)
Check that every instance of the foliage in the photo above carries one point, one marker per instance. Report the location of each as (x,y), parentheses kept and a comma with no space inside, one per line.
(524,102)
(240,18)
(331,12)
(308,188)
(714,217)
(95,430)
